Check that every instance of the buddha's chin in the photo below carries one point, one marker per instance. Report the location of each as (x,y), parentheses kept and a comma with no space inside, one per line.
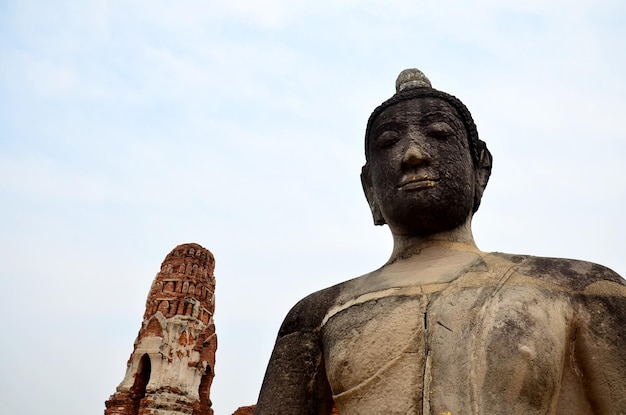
(428,221)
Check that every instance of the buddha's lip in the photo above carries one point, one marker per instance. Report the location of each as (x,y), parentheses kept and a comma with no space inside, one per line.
(412,182)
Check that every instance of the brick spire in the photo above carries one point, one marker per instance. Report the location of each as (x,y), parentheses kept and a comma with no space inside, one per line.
(171,368)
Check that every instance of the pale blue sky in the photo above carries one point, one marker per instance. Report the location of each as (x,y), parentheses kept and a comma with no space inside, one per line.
(129,127)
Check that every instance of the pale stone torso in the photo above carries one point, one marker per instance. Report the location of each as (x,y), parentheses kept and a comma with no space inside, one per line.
(456,332)
(450,331)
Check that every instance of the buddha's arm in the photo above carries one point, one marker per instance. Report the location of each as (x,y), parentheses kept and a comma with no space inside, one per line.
(601,349)
(295,381)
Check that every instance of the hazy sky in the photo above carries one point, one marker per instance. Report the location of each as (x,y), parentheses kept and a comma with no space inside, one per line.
(129,127)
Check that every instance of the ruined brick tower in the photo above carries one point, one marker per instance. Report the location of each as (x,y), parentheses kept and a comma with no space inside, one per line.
(171,368)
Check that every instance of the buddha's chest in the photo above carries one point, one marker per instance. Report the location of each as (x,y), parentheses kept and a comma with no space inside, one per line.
(467,351)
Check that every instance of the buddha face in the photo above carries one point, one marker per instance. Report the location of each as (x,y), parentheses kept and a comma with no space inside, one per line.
(420,175)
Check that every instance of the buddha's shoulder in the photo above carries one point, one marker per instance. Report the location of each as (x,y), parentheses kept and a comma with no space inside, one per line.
(575,276)
(309,312)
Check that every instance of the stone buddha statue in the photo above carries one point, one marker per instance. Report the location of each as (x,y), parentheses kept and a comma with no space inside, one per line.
(443,328)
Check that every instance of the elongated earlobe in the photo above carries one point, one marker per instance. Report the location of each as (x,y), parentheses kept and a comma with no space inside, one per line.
(483,171)
(368,189)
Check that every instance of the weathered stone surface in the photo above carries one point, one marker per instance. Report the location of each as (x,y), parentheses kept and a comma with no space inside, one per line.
(172,364)
(442,327)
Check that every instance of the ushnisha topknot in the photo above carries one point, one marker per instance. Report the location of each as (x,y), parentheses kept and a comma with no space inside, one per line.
(412,83)
(412,78)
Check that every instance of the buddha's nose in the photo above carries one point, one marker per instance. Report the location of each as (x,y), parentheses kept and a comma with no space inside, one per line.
(413,155)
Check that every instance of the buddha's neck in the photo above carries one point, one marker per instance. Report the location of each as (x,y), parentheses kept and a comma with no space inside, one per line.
(459,238)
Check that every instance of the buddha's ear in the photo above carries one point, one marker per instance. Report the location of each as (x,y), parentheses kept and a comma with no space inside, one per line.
(368,189)
(483,171)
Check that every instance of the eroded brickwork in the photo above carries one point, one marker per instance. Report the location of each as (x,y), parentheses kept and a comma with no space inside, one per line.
(171,368)
(245,410)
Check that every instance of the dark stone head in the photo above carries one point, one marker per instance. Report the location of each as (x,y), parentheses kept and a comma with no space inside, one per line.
(426,169)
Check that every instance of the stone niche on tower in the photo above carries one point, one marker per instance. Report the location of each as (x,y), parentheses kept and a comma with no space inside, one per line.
(170,370)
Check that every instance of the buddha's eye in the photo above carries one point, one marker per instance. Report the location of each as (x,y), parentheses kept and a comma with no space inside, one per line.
(440,130)
(387,139)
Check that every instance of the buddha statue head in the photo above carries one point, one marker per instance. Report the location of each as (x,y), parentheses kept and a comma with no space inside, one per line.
(426,169)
